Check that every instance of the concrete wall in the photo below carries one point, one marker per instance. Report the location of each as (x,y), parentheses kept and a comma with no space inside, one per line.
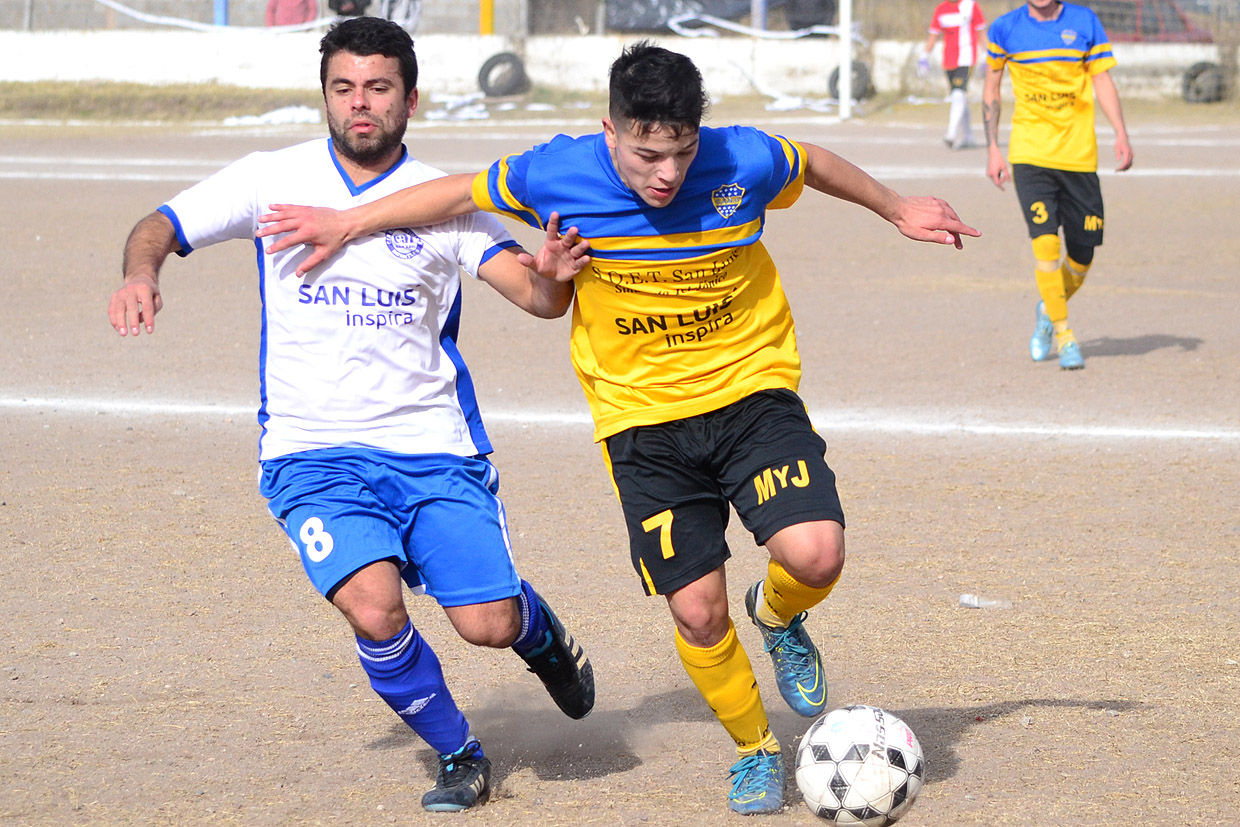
(450,63)
(440,16)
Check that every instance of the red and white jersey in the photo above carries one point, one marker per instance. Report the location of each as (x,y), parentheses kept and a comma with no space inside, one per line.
(960,23)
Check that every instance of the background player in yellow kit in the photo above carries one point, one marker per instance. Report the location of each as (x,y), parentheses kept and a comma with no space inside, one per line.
(1058,54)
(683,341)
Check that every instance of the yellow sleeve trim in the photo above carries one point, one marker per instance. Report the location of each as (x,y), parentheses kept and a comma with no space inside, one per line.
(480,194)
(480,191)
(1101,65)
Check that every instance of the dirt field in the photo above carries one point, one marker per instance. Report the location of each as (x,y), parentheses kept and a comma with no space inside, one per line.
(165,661)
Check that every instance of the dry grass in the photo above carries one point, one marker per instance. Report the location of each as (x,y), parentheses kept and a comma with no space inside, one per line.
(179,102)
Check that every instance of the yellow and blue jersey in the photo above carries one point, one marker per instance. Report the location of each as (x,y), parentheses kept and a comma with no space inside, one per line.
(1052,64)
(681,311)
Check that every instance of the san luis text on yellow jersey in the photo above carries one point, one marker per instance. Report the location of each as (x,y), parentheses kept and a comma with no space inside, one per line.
(1051,64)
(681,311)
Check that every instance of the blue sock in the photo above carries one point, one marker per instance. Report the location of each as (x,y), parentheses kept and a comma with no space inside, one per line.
(406,674)
(535,625)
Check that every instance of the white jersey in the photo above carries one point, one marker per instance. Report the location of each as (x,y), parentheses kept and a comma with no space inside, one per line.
(362,351)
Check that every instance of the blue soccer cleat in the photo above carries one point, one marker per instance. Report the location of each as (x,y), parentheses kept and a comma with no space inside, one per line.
(798,667)
(757,783)
(1070,357)
(1040,341)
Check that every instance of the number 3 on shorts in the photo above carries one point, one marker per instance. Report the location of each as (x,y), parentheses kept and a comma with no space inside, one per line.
(317,541)
(663,522)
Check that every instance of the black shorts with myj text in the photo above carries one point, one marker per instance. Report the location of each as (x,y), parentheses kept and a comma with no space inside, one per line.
(1054,198)
(677,479)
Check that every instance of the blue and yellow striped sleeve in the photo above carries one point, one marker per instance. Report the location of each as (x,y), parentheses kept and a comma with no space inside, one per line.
(495,190)
(1100,58)
(794,183)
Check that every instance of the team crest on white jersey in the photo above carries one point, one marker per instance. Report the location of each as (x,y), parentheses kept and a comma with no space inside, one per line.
(404,242)
(1068,37)
(727,199)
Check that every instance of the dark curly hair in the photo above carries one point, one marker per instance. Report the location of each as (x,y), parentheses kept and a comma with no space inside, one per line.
(370,36)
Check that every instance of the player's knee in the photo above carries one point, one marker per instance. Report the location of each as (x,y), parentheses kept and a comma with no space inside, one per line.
(812,553)
(376,621)
(823,565)
(702,624)
(1046,249)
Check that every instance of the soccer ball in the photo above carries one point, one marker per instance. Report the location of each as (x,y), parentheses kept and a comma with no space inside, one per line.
(859,765)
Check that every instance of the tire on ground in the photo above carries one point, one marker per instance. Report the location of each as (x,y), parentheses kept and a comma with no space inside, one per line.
(862,88)
(503,74)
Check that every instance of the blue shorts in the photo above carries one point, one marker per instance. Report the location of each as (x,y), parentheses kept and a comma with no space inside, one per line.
(436,516)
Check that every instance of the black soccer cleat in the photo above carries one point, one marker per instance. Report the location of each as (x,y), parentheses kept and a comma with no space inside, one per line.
(464,780)
(561,664)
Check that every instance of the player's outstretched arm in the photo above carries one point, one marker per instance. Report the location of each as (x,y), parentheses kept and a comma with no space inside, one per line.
(328,230)
(996,166)
(541,284)
(1108,102)
(135,304)
(921,218)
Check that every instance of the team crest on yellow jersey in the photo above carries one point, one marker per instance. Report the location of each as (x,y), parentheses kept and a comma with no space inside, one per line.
(727,199)
(1068,37)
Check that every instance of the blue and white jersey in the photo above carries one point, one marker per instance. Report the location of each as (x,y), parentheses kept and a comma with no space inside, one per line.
(362,351)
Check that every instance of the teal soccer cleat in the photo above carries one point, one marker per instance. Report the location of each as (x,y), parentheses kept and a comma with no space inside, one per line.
(1040,341)
(798,667)
(1070,357)
(757,784)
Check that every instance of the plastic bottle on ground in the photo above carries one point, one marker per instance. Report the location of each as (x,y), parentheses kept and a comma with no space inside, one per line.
(977,601)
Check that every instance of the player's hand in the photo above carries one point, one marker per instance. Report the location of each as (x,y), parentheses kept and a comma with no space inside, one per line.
(562,256)
(1123,154)
(134,305)
(996,167)
(321,228)
(925,218)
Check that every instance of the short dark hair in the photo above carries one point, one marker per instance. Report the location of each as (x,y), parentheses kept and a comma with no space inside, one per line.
(370,36)
(651,87)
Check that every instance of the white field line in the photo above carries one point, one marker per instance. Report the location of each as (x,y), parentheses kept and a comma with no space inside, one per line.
(856,421)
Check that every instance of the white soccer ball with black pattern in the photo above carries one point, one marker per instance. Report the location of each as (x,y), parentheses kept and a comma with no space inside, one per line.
(860,765)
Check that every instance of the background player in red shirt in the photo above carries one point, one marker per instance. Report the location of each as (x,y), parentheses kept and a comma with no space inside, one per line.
(961,24)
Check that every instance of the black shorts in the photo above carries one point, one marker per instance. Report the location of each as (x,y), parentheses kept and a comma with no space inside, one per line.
(958,78)
(676,479)
(1054,198)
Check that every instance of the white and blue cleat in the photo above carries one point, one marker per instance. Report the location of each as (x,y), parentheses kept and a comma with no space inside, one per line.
(1040,341)
(1070,357)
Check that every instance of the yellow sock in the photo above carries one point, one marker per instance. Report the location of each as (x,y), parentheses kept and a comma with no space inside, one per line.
(784,597)
(724,676)
(1073,274)
(1050,288)
(1048,275)
(1062,337)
